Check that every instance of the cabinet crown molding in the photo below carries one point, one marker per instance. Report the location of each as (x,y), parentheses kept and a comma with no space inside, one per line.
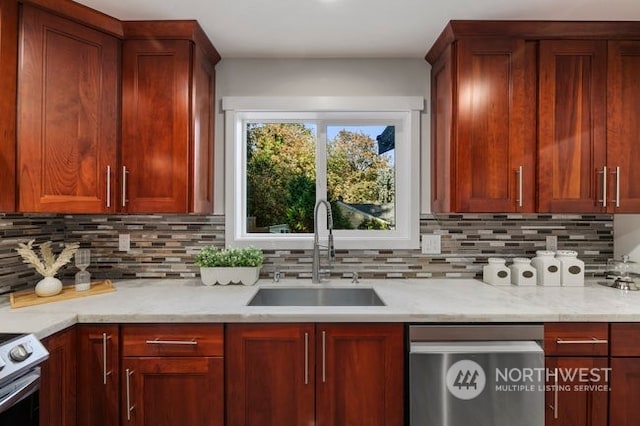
(171,30)
(533,30)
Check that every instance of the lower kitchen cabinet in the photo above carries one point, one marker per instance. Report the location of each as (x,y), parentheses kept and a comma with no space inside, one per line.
(269,374)
(323,374)
(568,401)
(98,379)
(360,378)
(624,409)
(172,375)
(173,391)
(58,380)
(572,350)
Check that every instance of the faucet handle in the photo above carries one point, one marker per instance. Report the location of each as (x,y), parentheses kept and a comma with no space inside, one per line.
(354,278)
(277,275)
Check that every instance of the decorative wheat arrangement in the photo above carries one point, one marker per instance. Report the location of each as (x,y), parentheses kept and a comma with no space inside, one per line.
(49,265)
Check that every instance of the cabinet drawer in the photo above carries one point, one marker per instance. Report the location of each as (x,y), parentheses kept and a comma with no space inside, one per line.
(172,340)
(625,339)
(588,339)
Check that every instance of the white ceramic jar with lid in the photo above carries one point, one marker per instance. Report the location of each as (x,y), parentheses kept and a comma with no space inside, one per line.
(571,268)
(547,268)
(522,273)
(496,272)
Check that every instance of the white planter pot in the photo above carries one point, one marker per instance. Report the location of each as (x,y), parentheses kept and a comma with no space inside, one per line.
(224,276)
(48,286)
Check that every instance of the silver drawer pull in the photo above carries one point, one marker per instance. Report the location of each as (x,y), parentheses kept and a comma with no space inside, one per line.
(582,342)
(172,342)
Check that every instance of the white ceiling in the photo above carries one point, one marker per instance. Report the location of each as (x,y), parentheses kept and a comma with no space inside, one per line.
(348,28)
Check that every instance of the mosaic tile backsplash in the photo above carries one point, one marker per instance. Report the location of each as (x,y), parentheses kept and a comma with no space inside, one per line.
(15,228)
(163,246)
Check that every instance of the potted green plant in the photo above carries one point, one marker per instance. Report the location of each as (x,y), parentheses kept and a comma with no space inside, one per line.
(230,265)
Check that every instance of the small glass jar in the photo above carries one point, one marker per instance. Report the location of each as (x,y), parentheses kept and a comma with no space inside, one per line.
(496,272)
(547,268)
(622,274)
(571,268)
(522,273)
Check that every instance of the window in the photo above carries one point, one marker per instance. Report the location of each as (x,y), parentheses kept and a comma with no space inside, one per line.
(285,154)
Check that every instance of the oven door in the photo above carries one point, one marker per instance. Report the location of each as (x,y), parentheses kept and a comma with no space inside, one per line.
(19,400)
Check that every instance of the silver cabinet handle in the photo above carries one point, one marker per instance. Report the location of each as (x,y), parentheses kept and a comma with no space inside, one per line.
(604,186)
(555,399)
(520,179)
(108,186)
(306,358)
(172,342)
(105,373)
(617,173)
(324,357)
(130,407)
(593,340)
(105,341)
(124,186)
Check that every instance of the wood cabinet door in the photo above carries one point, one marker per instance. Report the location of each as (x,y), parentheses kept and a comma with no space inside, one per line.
(494,154)
(442,159)
(625,339)
(58,380)
(571,402)
(98,370)
(269,374)
(359,374)
(173,391)
(571,126)
(203,117)
(156,83)
(8,90)
(623,126)
(624,409)
(67,115)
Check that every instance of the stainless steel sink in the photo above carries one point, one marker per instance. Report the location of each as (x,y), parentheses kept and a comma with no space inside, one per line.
(321,296)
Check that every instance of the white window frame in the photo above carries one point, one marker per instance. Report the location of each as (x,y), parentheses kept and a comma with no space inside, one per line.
(402,111)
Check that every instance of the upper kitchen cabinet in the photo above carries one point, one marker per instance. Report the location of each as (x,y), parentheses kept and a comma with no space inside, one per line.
(67,115)
(588,132)
(482,145)
(571,125)
(532,116)
(168,81)
(623,125)
(8,71)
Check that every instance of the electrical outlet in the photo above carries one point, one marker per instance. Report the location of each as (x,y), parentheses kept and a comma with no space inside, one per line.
(552,243)
(124,242)
(431,244)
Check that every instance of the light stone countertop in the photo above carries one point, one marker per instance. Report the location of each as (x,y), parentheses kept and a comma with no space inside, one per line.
(416,300)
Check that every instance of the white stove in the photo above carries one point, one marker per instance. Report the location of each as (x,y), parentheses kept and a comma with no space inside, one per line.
(20,355)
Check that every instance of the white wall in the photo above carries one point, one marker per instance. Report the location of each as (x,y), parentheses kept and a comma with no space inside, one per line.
(626,236)
(322,77)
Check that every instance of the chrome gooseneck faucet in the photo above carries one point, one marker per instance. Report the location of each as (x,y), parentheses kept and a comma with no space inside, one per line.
(331,253)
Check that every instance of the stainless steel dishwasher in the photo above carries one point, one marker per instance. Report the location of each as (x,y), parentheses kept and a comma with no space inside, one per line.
(476,375)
